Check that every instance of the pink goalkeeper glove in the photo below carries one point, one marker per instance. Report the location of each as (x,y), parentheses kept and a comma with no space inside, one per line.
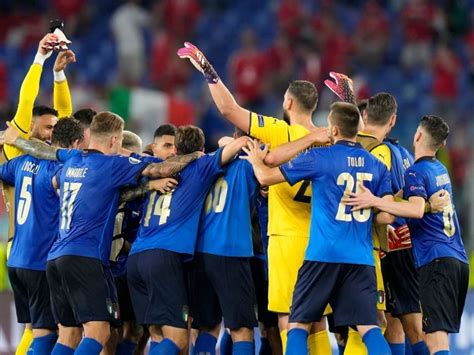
(198,59)
(342,87)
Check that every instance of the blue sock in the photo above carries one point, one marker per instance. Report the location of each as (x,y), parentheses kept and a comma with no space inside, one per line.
(60,349)
(408,348)
(265,348)
(205,344)
(125,347)
(442,352)
(165,347)
(44,345)
(341,349)
(420,348)
(243,348)
(375,342)
(153,345)
(397,349)
(226,344)
(88,346)
(297,342)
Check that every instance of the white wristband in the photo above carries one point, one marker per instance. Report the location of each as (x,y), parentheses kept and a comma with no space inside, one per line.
(59,76)
(40,58)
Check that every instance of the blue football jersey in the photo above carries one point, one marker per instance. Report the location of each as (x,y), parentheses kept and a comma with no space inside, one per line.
(436,234)
(127,223)
(36,210)
(226,220)
(90,185)
(338,235)
(401,160)
(170,221)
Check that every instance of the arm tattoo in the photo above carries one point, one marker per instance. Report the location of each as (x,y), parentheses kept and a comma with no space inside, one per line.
(131,193)
(171,166)
(36,149)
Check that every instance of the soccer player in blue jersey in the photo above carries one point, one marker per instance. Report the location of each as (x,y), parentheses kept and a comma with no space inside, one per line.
(90,186)
(400,276)
(339,263)
(221,279)
(168,236)
(437,244)
(36,228)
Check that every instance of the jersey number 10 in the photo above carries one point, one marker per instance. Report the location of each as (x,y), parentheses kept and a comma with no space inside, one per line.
(348,180)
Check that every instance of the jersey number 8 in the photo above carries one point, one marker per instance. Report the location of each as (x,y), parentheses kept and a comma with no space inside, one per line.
(348,180)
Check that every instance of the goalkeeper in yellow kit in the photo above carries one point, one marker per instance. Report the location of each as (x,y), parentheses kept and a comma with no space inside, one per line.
(289,206)
(37,122)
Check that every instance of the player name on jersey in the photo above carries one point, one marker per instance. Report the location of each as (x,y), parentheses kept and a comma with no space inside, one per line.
(76,172)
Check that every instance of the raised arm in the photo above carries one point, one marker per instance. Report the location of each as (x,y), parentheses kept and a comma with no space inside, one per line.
(61,93)
(222,97)
(34,148)
(28,93)
(171,166)
(288,151)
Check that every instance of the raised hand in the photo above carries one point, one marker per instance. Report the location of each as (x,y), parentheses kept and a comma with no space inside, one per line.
(47,44)
(63,59)
(200,62)
(342,86)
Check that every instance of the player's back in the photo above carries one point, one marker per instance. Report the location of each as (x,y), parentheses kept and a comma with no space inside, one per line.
(225,225)
(36,212)
(170,221)
(90,187)
(289,206)
(436,234)
(339,235)
(400,161)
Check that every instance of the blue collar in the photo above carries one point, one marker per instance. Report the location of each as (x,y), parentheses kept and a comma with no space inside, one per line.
(349,144)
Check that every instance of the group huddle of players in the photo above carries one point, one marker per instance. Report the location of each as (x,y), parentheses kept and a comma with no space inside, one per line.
(114,245)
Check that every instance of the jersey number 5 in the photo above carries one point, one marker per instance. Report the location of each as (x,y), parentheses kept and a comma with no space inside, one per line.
(24,202)
(348,180)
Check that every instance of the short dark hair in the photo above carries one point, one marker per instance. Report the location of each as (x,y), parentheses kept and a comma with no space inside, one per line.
(380,108)
(66,132)
(189,139)
(345,116)
(165,130)
(305,93)
(436,128)
(362,106)
(41,110)
(85,116)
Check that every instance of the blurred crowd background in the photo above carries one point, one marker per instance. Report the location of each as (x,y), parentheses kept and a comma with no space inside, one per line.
(420,51)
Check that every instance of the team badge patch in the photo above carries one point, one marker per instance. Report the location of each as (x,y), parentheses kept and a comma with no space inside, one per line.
(261,121)
(133,161)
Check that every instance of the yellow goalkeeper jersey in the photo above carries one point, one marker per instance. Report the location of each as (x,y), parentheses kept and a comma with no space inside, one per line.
(289,207)
(22,121)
